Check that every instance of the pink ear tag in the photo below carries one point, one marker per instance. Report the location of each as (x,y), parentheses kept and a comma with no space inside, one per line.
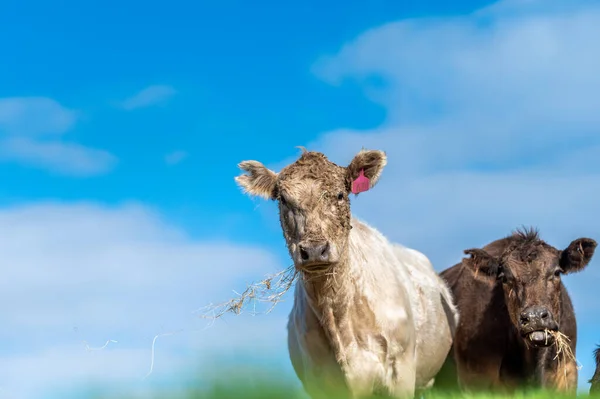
(361,183)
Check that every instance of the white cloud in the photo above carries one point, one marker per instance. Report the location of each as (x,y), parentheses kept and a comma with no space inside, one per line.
(34,116)
(59,157)
(31,130)
(492,124)
(76,272)
(483,81)
(152,95)
(176,157)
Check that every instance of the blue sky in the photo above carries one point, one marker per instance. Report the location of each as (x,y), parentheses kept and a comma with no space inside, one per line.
(121,125)
(242,74)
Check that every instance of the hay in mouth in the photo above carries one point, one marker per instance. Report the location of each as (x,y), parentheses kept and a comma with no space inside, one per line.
(270,290)
(554,338)
(315,267)
(539,336)
(564,352)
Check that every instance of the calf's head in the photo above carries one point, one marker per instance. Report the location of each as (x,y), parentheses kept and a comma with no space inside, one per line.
(314,203)
(529,272)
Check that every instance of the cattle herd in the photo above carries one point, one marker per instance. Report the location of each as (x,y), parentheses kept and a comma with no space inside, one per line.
(371,317)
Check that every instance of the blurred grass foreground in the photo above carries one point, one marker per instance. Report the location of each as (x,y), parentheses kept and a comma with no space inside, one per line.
(230,386)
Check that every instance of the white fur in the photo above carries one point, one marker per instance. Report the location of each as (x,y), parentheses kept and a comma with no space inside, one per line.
(400,288)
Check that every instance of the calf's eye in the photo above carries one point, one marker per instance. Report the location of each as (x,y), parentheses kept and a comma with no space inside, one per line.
(502,276)
(557,273)
(340,196)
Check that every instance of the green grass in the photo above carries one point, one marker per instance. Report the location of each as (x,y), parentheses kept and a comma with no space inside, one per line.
(226,389)
(224,381)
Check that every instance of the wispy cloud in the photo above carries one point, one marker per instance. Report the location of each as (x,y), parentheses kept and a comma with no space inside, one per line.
(34,116)
(58,157)
(31,134)
(94,273)
(176,157)
(492,124)
(152,95)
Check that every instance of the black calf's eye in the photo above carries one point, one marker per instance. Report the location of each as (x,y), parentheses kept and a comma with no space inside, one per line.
(340,196)
(501,276)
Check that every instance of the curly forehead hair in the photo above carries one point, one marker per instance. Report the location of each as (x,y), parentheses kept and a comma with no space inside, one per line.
(314,165)
(525,244)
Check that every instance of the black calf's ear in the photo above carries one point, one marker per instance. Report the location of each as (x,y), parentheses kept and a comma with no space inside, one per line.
(482,263)
(577,255)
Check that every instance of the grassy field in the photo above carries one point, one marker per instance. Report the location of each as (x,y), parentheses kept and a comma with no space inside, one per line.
(278,390)
(282,393)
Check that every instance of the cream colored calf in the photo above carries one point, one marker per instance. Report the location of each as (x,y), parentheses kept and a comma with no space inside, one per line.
(369,317)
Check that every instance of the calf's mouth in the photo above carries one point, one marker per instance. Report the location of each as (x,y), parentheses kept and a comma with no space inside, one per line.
(314,267)
(540,338)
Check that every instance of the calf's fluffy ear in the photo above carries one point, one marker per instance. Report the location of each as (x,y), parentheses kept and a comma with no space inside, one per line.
(577,255)
(482,263)
(258,181)
(371,162)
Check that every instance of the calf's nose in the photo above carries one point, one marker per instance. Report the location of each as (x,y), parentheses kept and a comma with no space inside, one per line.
(315,252)
(534,314)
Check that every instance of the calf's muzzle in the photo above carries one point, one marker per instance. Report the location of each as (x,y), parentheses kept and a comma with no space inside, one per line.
(314,253)
(533,323)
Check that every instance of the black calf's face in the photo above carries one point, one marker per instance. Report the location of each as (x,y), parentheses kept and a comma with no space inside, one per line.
(530,273)
(532,293)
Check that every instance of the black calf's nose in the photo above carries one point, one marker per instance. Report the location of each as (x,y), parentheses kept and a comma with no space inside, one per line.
(315,252)
(534,313)
(524,318)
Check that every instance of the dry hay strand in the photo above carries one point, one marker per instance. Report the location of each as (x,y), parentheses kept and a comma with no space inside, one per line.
(269,290)
(564,353)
